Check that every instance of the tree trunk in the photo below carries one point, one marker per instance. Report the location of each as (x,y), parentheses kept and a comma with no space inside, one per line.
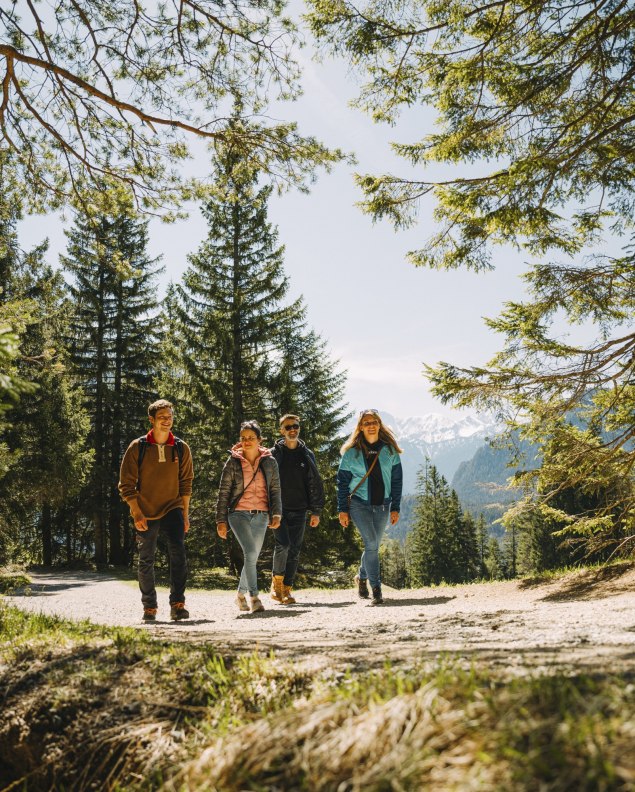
(47,536)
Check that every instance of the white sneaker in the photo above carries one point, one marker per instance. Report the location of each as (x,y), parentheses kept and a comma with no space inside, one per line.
(256,605)
(241,601)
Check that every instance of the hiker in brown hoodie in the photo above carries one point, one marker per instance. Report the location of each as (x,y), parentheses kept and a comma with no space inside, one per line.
(156,483)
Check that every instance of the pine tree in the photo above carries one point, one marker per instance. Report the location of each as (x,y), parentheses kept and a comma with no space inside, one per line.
(430,550)
(534,111)
(495,561)
(393,564)
(45,451)
(239,351)
(113,349)
(442,546)
(482,536)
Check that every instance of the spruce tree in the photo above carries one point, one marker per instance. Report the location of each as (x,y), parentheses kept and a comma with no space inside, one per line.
(114,349)
(238,350)
(482,538)
(44,443)
(443,544)
(430,549)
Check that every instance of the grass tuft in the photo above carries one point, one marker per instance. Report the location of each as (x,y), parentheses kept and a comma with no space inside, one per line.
(88,707)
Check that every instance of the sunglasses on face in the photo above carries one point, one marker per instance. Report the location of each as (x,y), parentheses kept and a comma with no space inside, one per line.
(289,427)
(374,422)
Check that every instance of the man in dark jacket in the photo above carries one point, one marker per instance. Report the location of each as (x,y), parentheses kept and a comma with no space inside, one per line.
(302,492)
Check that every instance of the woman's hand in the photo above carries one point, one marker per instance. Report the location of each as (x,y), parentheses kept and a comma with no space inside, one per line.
(344,519)
(221,530)
(394,518)
(275,522)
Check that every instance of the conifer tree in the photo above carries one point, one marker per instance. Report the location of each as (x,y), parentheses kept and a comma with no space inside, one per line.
(240,351)
(114,294)
(393,564)
(44,444)
(534,130)
(443,545)
(482,537)
(430,553)
(495,561)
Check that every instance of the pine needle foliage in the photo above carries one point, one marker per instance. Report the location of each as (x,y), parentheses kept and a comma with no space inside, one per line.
(534,130)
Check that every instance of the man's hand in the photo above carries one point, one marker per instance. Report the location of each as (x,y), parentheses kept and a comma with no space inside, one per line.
(275,522)
(394,517)
(140,522)
(344,519)
(221,530)
(186,522)
(314,520)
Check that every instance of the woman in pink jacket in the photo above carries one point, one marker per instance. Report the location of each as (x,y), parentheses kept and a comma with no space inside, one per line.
(249,501)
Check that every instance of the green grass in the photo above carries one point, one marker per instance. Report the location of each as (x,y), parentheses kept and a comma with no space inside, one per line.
(12,579)
(87,706)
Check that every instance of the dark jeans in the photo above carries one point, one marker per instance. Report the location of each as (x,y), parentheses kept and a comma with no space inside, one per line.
(173,526)
(289,539)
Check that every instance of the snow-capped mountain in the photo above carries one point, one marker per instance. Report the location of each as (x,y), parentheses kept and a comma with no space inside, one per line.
(446,441)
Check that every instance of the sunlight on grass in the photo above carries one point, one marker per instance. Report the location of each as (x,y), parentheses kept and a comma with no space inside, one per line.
(86,703)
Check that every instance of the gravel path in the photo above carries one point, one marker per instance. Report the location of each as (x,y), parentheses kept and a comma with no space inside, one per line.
(585,620)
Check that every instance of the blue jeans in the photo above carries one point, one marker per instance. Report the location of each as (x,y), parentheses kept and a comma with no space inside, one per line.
(371,523)
(250,531)
(289,539)
(174,527)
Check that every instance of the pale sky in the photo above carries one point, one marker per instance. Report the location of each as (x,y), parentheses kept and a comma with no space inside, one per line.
(381,317)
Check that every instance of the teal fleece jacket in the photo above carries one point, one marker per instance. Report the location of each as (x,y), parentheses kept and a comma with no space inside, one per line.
(353,468)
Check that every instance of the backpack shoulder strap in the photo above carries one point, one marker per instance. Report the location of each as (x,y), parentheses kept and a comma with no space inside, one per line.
(178,445)
(143,444)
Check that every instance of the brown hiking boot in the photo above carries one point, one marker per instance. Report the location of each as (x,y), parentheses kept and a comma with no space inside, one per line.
(362,587)
(377,596)
(256,605)
(149,614)
(288,599)
(241,601)
(178,612)
(277,588)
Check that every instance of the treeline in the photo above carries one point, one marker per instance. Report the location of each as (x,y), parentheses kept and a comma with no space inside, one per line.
(97,345)
(437,540)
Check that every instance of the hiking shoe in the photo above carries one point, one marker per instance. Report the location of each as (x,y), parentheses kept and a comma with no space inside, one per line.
(149,614)
(377,598)
(256,605)
(178,612)
(277,586)
(288,599)
(241,601)
(362,587)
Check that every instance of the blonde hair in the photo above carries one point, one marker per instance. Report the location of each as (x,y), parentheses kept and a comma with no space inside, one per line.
(356,439)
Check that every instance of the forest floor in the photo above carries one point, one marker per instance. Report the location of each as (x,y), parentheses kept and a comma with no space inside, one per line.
(583,620)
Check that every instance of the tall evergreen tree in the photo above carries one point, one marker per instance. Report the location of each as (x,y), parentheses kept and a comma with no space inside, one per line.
(539,98)
(393,564)
(45,455)
(238,349)
(443,545)
(113,348)
(430,554)
(482,538)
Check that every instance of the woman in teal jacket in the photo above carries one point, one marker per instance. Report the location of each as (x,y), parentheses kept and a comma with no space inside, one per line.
(369,484)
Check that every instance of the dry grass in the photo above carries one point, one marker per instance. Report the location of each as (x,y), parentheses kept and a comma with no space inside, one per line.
(87,708)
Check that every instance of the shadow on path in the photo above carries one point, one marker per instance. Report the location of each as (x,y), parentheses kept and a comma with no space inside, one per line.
(590,584)
(391,603)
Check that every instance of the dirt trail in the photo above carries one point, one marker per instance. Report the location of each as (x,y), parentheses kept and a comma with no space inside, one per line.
(584,620)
